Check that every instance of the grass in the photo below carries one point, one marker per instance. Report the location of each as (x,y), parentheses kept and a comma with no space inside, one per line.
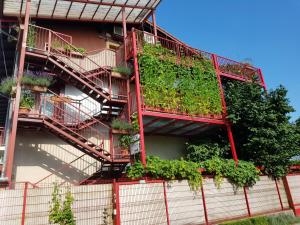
(280,219)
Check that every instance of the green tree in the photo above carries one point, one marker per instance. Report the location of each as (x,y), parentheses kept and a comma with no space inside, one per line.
(261,127)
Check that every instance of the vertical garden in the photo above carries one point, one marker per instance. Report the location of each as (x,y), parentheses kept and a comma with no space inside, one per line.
(186,86)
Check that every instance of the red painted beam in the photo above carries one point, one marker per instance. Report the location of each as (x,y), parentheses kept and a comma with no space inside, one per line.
(181,127)
(13,133)
(151,122)
(194,129)
(182,117)
(163,126)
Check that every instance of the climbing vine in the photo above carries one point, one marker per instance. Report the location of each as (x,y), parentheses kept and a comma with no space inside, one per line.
(168,169)
(189,86)
(243,174)
(61,210)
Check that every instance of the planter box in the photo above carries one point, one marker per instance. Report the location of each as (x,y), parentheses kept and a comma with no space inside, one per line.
(24,111)
(60,99)
(36,88)
(115,131)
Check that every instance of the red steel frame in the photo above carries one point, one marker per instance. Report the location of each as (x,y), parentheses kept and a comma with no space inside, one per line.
(12,137)
(142,112)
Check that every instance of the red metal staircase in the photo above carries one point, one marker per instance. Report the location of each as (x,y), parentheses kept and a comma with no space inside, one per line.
(66,120)
(58,55)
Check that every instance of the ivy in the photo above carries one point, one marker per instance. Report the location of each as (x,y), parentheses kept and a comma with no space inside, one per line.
(168,169)
(243,174)
(61,211)
(189,86)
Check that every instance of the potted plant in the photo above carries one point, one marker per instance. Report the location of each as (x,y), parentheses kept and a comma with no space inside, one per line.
(124,143)
(26,103)
(127,71)
(37,83)
(121,126)
(8,86)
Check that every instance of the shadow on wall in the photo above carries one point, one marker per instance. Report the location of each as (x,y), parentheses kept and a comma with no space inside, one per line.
(166,147)
(39,154)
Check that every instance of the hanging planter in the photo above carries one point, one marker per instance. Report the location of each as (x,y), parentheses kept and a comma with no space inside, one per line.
(36,83)
(35,88)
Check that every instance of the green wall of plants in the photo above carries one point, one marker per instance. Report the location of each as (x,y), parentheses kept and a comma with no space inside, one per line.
(189,86)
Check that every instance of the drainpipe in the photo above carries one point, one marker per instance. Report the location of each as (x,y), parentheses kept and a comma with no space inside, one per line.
(6,135)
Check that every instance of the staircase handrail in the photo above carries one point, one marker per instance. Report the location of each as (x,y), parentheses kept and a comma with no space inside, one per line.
(47,36)
(86,114)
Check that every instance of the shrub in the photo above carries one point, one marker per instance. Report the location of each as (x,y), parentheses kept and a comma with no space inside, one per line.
(242,174)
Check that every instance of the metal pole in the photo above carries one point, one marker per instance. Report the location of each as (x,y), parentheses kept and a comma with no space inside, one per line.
(154,24)
(279,195)
(166,203)
(24,203)
(247,201)
(204,204)
(124,23)
(228,125)
(262,79)
(138,98)
(12,139)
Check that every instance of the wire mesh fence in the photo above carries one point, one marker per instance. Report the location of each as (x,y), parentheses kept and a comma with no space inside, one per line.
(149,202)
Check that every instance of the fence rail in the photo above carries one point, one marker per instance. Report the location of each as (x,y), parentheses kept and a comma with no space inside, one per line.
(149,202)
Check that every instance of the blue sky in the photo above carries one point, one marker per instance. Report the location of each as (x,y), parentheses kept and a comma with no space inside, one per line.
(266,31)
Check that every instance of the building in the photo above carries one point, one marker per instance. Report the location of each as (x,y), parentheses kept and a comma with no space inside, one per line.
(92,51)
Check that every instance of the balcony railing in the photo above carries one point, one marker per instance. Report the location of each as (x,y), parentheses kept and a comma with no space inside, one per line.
(227,67)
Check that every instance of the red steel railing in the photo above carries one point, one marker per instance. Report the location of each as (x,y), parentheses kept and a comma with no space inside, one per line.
(68,113)
(227,67)
(59,45)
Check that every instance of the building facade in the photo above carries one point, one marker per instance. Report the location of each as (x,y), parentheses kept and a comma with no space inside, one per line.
(95,57)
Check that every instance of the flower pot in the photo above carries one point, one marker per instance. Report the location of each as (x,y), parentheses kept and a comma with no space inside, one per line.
(124,153)
(24,111)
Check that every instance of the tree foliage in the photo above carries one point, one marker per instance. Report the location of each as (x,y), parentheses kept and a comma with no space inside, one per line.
(262,131)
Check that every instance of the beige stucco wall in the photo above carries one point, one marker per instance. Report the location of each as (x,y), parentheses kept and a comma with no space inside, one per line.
(39,153)
(166,147)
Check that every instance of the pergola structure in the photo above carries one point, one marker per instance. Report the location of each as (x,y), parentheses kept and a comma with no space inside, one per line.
(134,11)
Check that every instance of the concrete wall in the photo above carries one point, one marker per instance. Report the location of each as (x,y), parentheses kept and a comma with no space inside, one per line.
(224,202)
(145,203)
(165,147)
(142,204)
(185,206)
(90,206)
(294,185)
(39,154)
(263,196)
